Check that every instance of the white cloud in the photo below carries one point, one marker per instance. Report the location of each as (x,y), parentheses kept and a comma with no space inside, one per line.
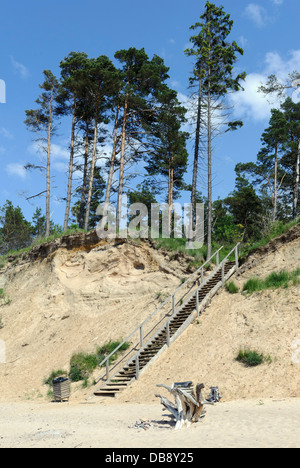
(16,169)
(281,68)
(6,133)
(277,2)
(254,105)
(20,68)
(250,103)
(58,152)
(243,41)
(257,14)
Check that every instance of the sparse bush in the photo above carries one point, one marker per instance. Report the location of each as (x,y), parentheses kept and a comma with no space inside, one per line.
(283,279)
(231,287)
(82,366)
(5,300)
(108,348)
(251,358)
(253,285)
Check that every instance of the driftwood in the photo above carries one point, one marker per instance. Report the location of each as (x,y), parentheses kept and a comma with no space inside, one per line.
(189,404)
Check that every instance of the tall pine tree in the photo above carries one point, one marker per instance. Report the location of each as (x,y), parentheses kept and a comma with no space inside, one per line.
(213,74)
(42,122)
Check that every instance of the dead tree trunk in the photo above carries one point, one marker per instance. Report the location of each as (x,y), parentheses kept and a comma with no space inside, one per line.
(188,406)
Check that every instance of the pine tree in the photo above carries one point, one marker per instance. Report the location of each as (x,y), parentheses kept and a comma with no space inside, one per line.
(141,79)
(15,231)
(291,159)
(169,157)
(42,122)
(213,72)
(102,84)
(246,208)
(268,172)
(74,72)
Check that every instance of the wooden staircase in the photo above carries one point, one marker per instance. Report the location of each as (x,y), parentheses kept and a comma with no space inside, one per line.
(175,325)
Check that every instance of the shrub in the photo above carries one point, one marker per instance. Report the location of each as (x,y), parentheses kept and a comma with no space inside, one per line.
(277,280)
(253,285)
(273,281)
(82,366)
(4,298)
(250,358)
(108,348)
(231,287)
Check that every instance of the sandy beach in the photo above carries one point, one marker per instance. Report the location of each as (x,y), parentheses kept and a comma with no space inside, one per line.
(235,424)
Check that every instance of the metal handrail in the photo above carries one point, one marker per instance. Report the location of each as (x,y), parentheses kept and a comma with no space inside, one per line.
(174,310)
(172,298)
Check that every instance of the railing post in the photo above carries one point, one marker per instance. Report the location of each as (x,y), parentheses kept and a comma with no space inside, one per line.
(197,302)
(223,273)
(107,369)
(202,275)
(141,336)
(168,333)
(137,367)
(237,256)
(173,304)
(218,258)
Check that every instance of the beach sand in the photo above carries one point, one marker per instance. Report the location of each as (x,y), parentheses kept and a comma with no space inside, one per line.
(235,424)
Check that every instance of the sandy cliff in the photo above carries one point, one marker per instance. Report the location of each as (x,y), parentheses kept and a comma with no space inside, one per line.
(72,297)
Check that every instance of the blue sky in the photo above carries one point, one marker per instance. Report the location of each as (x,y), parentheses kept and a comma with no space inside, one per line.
(37,35)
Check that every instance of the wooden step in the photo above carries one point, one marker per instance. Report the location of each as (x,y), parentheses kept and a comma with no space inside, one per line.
(124,377)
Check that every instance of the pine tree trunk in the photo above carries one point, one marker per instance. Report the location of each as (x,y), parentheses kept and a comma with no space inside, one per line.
(275,186)
(112,163)
(71,166)
(209,168)
(88,204)
(170,196)
(47,233)
(84,179)
(122,167)
(196,154)
(297,180)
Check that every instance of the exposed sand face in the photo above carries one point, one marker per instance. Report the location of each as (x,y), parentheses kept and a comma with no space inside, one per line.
(268,322)
(240,424)
(75,300)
